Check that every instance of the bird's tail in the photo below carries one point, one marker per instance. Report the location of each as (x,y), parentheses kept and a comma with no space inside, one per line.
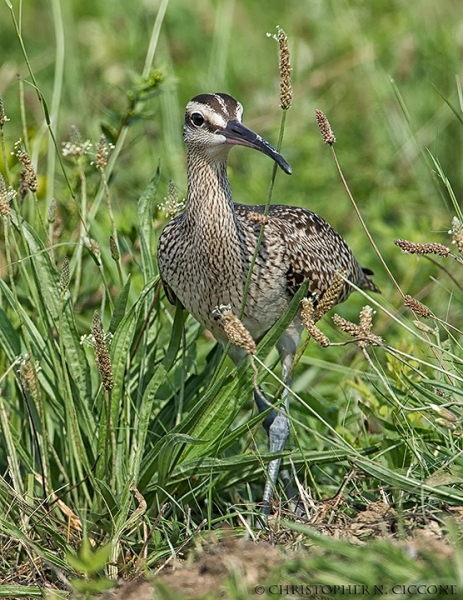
(367,283)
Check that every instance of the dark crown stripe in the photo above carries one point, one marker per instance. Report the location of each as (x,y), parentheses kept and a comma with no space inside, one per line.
(217,101)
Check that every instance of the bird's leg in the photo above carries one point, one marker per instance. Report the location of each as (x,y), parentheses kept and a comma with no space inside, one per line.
(277,427)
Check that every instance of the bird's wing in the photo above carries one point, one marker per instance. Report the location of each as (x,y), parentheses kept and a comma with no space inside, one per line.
(314,251)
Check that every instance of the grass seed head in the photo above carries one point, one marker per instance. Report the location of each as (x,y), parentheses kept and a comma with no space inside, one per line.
(6,196)
(28,375)
(444,413)
(92,245)
(325,128)
(115,254)
(234,329)
(103,150)
(307,317)
(444,423)
(3,117)
(346,326)
(76,146)
(286,88)
(28,178)
(417,307)
(457,234)
(330,297)
(366,320)
(103,359)
(362,332)
(172,205)
(408,247)
(257,217)
(65,275)
(52,211)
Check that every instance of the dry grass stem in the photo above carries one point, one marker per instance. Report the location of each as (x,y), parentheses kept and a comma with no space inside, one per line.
(325,128)
(103,359)
(307,316)
(416,248)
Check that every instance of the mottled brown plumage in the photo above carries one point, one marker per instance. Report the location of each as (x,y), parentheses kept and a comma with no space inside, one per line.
(205,253)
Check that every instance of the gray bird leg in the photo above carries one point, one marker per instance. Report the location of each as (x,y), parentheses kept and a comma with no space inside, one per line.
(277,427)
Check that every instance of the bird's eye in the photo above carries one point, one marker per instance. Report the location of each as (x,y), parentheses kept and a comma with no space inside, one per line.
(197,119)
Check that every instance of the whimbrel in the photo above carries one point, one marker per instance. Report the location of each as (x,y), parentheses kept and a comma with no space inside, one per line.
(205,253)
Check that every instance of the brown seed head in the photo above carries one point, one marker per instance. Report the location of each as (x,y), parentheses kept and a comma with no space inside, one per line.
(103,150)
(258,217)
(307,317)
(366,320)
(28,178)
(417,307)
(286,88)
(234,329)
(103,359)
(365,323)
(6,196)
(325,128)
(421,249)
(115,254)
(346,326)
(362,332)
(330,297)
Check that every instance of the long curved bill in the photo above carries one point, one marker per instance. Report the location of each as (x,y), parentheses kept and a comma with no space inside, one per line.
(237,134)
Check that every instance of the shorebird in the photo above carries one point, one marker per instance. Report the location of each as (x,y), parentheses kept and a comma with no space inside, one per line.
(204,254)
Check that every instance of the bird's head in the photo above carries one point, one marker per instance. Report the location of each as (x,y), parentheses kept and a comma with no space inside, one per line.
(213,125)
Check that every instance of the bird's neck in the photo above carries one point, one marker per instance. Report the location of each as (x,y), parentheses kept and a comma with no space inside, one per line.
(209,198)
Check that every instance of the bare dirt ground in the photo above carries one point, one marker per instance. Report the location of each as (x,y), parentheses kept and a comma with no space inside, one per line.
(209,569)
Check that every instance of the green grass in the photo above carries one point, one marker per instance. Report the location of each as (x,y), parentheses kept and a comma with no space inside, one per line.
(170,446)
